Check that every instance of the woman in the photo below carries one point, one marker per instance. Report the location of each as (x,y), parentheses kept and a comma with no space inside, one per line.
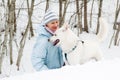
(46,56)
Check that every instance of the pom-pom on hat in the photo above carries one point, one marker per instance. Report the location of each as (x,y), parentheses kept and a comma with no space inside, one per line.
(49,16)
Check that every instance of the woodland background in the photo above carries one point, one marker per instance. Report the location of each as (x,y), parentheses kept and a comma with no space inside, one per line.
(19,18)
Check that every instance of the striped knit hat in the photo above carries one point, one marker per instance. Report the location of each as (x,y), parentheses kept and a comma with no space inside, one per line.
(50,16)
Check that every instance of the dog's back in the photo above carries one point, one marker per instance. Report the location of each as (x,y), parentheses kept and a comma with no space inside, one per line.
(91,46)
(92,41)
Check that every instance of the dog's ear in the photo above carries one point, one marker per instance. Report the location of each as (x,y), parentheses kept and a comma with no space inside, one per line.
(65,26)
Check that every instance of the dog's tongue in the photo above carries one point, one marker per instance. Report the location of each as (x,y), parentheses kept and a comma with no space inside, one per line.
(56,41)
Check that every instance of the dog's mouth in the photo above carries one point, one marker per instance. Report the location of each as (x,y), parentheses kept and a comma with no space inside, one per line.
(56,42)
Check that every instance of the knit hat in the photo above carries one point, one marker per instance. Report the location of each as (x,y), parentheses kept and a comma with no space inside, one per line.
(50,16)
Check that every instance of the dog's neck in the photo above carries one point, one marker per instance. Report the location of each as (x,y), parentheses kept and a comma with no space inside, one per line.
(70,42)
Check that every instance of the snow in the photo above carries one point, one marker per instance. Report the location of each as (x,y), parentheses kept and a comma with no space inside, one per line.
(102,70)
(106,69)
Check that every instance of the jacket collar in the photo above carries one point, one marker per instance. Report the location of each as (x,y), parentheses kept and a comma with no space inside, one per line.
(41,30)
(48,30)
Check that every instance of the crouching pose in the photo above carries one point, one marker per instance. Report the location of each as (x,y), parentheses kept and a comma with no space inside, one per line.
(46,56)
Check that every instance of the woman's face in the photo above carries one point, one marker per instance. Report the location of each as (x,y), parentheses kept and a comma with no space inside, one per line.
(53,25)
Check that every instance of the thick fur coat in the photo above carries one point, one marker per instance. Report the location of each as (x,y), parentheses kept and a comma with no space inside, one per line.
(80,49)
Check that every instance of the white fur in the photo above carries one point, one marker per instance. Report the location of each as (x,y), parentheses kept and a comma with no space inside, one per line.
(84,51)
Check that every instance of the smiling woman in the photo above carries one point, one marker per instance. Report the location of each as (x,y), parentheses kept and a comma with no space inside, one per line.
(46,56)
(53,25)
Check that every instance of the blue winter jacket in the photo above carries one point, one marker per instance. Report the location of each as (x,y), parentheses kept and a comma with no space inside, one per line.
(45,55)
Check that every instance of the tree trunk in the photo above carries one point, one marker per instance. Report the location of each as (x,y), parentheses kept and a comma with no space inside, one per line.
(91,13)
(79,25)
(4,46)
(99,14)
(117,34)
(114,26)
(23,40)
(47,5)
(60,13)
(85,16)
(11,25)
(30,15)
(116,14)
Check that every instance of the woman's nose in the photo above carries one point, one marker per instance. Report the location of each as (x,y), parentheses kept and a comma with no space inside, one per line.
(56,24)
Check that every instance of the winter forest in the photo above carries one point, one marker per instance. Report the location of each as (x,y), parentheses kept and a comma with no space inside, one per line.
(19,20)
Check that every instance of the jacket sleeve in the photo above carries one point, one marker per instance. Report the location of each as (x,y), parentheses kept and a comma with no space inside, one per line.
(39,54)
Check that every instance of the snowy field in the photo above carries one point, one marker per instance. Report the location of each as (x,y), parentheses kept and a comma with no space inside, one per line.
(106,69)
(102,70)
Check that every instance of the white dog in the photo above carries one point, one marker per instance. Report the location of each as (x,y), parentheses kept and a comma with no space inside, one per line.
(80,49)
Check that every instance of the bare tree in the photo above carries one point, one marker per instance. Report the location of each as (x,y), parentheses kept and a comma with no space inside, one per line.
(117,28)
(4,40)
(116,14)
(23,40)
(91,13)
(4,46)
(78,14)
(47,5)
(85,16)
(99,13)
(115,34)
(11,24)
(62,11)
(9,31)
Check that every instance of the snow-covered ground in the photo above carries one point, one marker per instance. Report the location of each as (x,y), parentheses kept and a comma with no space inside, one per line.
(102,70)
(106,69)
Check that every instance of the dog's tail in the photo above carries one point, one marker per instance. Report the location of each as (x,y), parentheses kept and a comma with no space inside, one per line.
(103,31)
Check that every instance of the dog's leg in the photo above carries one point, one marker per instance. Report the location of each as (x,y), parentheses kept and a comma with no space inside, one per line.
(98,56)
(83,60)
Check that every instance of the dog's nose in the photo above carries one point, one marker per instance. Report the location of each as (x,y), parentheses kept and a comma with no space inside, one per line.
(48,40)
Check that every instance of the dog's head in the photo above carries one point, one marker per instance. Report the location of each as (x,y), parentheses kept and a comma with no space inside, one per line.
(59,35)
